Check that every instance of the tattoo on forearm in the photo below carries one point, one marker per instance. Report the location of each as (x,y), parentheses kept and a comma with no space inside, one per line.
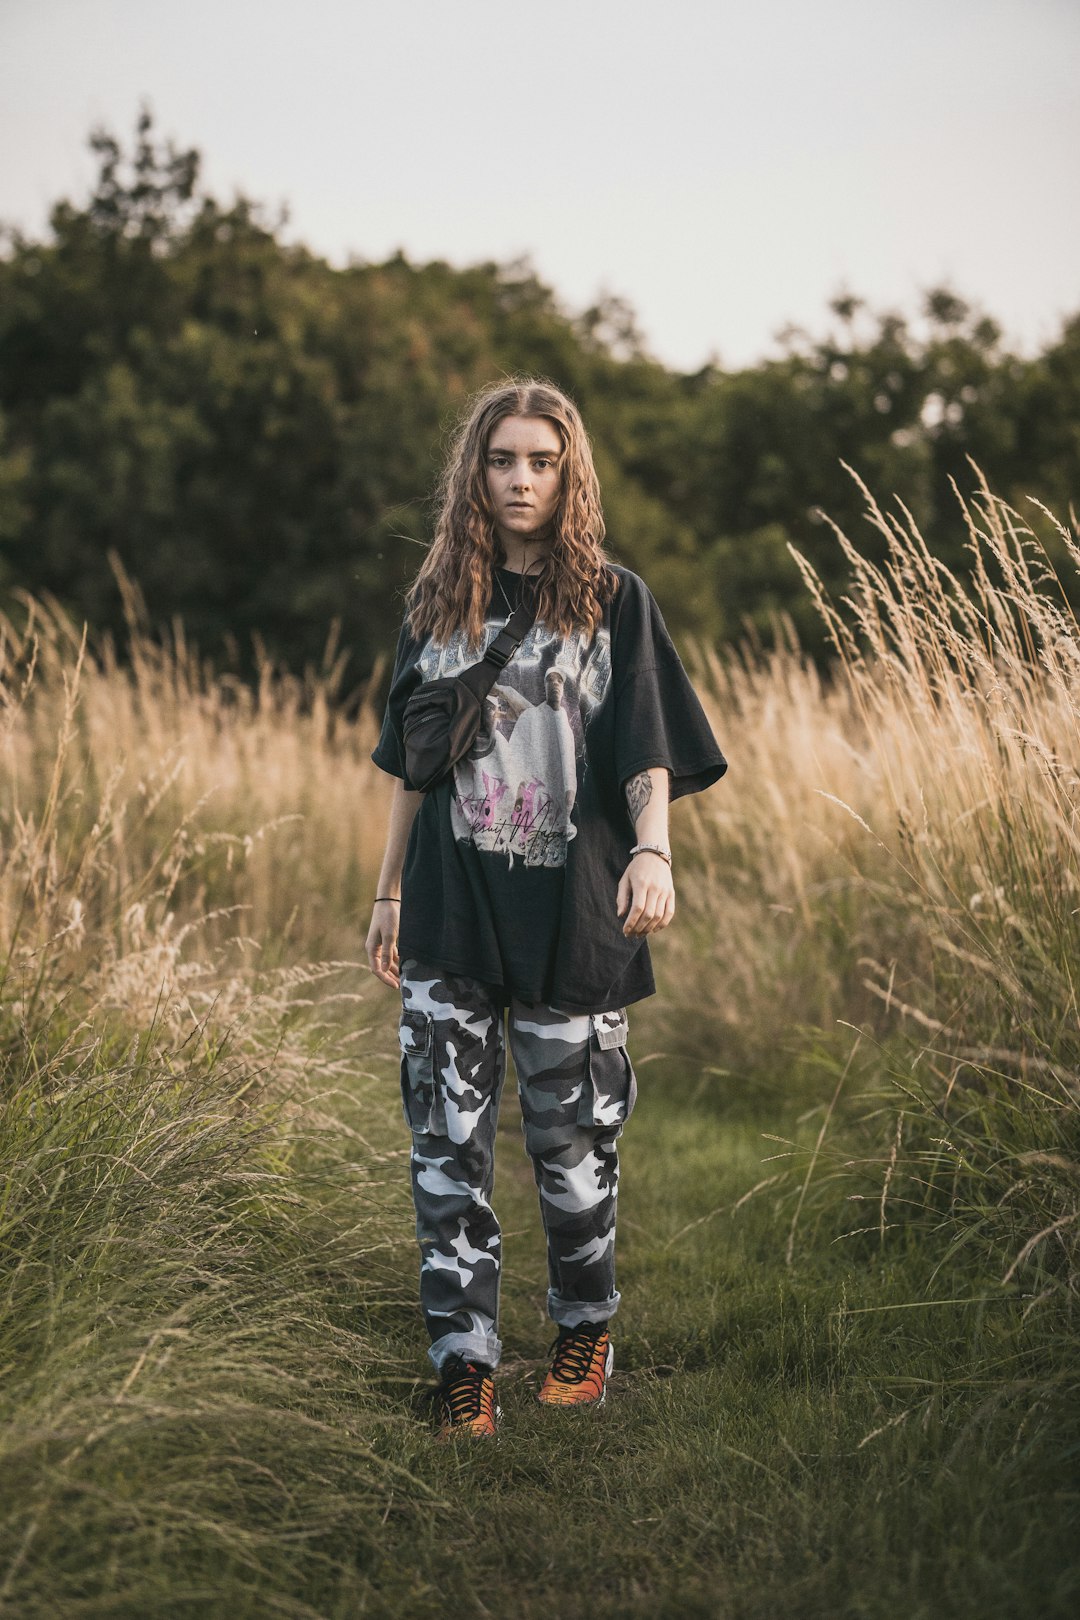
(638,792)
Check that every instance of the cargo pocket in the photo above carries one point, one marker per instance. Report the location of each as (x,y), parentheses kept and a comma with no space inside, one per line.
(609,1091)
(417,1038)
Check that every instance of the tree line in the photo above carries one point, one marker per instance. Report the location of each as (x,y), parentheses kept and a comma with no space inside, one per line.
(252,435)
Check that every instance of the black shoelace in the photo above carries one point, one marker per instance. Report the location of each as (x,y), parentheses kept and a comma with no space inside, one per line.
(573,1353)
(463,1393)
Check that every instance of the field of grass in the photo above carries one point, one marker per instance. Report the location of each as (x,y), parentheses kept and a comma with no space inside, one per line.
(846,1378)
(755,1459)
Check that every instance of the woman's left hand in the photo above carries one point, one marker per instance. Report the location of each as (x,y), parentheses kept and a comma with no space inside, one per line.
(646,887)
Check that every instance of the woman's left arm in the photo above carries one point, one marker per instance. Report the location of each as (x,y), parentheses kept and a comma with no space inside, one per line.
(646,891)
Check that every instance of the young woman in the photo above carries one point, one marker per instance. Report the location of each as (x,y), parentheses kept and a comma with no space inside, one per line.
(523,888)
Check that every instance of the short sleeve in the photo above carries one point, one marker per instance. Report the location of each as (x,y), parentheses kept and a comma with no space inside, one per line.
(659,719)
(389,752)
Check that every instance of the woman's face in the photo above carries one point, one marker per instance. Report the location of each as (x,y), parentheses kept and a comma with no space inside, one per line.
(524,476)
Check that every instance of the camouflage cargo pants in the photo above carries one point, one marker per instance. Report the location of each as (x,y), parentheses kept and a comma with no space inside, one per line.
(577,1089)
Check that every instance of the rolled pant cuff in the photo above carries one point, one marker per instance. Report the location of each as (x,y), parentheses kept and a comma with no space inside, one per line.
(470,1346)
(572,1312)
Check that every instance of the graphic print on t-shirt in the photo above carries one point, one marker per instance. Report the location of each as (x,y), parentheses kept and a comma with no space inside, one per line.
(514,791)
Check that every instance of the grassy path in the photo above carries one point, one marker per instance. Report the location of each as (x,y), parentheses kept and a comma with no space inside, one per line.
(213,1381)
(731,1473)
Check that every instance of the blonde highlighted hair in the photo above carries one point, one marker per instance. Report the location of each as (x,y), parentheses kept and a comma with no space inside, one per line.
(452,589)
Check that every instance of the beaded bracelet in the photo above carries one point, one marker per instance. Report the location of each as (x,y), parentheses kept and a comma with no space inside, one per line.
(653,849)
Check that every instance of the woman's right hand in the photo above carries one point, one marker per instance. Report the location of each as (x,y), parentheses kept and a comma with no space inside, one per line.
(382,948)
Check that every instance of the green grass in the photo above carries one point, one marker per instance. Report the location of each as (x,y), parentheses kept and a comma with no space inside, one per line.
(847,1369)
(778,1440)
(214,1386)
(185,1425)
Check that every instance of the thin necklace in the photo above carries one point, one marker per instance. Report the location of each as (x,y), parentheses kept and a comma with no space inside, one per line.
(505,598)
(522,576)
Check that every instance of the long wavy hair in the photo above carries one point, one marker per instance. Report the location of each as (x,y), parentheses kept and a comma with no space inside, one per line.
(452,589)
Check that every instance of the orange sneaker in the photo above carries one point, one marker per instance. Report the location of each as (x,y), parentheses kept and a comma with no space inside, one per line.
(580,1367)
(468,1400)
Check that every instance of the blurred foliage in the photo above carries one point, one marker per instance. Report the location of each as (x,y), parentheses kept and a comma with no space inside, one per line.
(251,435)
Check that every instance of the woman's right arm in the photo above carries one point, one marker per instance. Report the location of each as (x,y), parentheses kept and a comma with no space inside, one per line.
(383,934)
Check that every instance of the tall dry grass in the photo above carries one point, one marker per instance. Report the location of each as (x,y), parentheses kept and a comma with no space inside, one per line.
(892,876)
(199,1206)
(205,1201)
(262,800)
(922,796)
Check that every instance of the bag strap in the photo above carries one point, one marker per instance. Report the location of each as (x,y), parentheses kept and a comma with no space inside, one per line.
(481,677)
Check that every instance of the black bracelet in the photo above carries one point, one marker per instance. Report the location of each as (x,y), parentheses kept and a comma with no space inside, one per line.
(392,897)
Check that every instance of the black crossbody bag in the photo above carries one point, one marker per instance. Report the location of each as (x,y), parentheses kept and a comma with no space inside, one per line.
(442,717)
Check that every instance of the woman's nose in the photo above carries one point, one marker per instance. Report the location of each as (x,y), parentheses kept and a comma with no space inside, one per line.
(520,479)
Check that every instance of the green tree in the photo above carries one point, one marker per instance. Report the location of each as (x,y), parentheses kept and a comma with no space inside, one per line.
(255,434)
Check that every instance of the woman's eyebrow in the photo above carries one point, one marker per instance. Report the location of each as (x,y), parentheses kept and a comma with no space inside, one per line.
(505,450)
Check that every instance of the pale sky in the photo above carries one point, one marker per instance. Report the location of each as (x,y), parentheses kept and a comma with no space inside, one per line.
(724,165)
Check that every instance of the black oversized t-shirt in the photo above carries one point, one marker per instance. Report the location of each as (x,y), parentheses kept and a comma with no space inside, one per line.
(513,863)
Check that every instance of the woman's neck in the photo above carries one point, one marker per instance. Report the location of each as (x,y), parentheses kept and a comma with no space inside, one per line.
(524,556)
(517,564)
